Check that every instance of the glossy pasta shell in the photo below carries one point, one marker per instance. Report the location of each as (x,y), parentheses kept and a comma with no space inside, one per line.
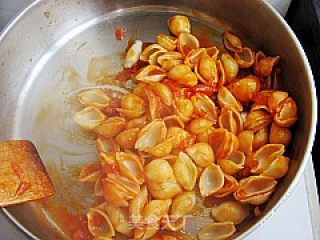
(245,88)
(187,42)
(194,56)
(111,127)
(246,141)
(183,204)
(90,172)
(150,74)
(158,170)
(227,100)
(127,138)
(119,218)
(211,180)
(152,134)
(105,229)
(206,69)
(133,54)
(217,231)
(232,42)
(204,106)
(230,65)
(183,74)
(183,108)
(167,42)
(231,211)
(202,154)
(106,145)
(278,168)
(145,55)
(265,155)
(231,120)
(257,120)
(138,203)
(230,186)
(255,190)
(233,164)
(178,24)
(185,171)
(130,166)
(94,98)
(279,135)
(89,118)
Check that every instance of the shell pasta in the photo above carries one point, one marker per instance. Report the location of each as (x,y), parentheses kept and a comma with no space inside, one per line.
(198,124)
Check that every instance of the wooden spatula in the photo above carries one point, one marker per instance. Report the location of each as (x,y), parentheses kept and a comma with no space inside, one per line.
(23,177)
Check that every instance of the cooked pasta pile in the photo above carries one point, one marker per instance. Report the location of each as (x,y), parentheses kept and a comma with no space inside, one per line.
(199,123)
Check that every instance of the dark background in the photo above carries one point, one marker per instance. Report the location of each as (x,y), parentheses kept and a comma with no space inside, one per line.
(304,18)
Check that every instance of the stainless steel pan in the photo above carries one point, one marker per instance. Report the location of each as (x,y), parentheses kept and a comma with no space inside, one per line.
(45,47)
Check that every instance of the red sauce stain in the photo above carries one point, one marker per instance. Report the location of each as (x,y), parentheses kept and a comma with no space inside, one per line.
(253,163)
(245,172)
(155,72)
(75,224)
(260,99)
(186,50)
(120,34)
(110,168)
(188,142)
(18,171)
(23,187)
(97,220)
(124,75)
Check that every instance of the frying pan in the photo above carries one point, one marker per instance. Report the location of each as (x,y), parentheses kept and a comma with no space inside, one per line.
(45,52)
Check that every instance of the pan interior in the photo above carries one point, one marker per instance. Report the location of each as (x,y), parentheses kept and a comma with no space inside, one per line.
(48,102)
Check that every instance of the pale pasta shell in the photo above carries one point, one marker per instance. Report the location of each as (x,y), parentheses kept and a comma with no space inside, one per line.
(204,106)
(230,120)
(133,54)
(199,125)
(94,98)
(202,154)
(130,166)
(144,56)
(150,74)
(230,185)
(105,229)
(246,141)
(119,218)
(211,180)
(255,190)
(152,134)
(127,138)
(89,118)
(185,171)
(167,42)
(138,203)
(183,204)
(227,100)
(278,168)
(265,155)
(111,127)
(232,211)
(233,164)
(178,24)
(217,231)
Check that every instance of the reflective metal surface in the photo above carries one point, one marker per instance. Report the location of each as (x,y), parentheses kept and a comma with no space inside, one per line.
(46,47)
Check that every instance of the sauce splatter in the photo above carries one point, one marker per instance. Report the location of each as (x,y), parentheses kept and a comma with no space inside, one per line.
(120,34)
